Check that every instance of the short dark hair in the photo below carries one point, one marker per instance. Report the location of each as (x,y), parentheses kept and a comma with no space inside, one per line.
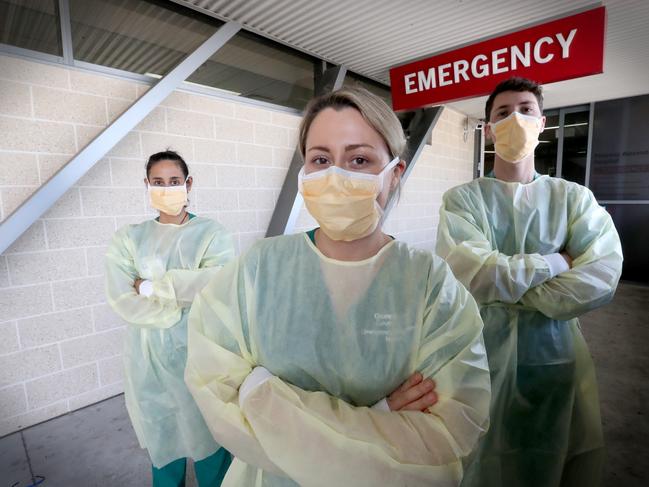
(167,155)
(514,84)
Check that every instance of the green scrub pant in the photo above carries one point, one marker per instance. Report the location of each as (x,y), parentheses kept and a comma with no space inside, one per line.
(209,472)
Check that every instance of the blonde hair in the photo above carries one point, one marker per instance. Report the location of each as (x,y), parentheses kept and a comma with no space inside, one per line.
(373,109)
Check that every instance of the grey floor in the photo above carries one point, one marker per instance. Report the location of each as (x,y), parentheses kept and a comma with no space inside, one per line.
(618,336)
(96,446)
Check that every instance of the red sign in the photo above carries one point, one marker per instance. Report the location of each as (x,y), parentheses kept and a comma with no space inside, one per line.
(562,49)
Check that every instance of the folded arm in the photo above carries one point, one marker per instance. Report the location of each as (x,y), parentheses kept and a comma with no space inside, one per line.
(489,275)
(595,247)
(121,295)
(180,286)
(280,427)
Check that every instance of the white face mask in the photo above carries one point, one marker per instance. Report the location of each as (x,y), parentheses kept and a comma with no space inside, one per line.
(344,202)
(168,199)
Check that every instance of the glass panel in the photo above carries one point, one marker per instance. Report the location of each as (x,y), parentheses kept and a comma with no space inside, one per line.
(575,146)
(145,37)
(631,222)
(545,156)
(620,149)
(352,79)
(489,156)
(31,24)
(254,67)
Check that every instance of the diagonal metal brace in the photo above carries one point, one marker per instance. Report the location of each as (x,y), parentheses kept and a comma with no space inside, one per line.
(44,197)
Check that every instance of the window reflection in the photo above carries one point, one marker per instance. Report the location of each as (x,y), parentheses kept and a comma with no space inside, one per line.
(254,67)
(31,24)
(143,37)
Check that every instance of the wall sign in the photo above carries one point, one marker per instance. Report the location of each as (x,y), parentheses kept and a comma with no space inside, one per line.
(562,49)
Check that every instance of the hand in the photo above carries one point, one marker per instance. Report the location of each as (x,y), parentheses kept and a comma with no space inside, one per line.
(415,394)
(137,283)
(567,258)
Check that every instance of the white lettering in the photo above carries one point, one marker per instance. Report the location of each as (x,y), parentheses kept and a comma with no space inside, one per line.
(493,63)
(484,68)
(426,81)
(524,58)
(460,71)
(497,60)
(410,82)
(443,74)
(537,50)
(565,43)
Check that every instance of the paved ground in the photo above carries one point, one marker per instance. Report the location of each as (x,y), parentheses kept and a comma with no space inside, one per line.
(618,336)
(96,446)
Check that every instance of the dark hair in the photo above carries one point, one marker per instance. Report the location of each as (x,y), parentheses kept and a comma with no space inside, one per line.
(167,155)
(514,84)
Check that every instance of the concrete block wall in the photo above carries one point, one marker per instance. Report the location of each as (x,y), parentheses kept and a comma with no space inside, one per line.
(60,343)
(445,163)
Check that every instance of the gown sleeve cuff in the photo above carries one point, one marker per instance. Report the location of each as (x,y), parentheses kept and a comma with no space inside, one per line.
(257,377)
(382,405)
(146,288)
(556,263)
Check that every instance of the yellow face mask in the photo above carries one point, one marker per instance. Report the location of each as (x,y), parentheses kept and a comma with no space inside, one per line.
(516,136)
(344,202)
(168,199)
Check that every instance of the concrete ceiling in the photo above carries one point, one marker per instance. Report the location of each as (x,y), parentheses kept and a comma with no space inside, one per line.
(370,36)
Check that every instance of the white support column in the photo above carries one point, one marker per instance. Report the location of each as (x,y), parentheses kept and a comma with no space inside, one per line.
(38,203)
